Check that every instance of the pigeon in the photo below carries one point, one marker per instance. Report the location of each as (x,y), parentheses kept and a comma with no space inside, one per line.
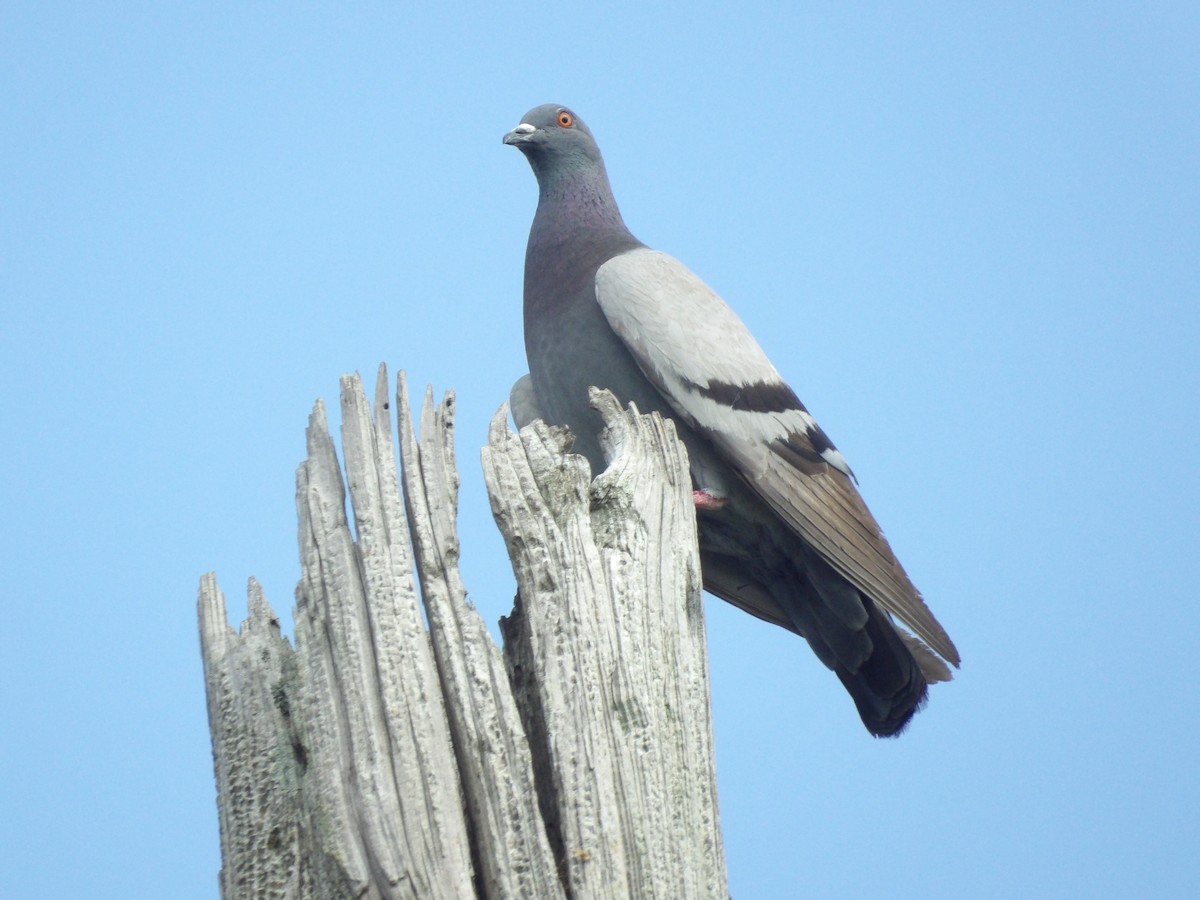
(782,529)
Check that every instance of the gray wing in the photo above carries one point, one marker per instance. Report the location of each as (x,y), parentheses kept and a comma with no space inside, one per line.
(523,402)
(715,376)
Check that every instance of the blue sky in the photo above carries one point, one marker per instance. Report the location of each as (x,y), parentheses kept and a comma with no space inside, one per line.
(968,235)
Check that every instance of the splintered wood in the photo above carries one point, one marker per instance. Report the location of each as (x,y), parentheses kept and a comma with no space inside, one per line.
(379,759)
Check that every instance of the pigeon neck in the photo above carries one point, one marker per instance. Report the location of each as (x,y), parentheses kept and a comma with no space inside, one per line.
(577,199)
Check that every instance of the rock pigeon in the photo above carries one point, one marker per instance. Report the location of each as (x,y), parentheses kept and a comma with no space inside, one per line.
(783,531)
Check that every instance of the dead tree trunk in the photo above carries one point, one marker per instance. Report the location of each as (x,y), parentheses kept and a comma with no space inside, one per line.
(380,759)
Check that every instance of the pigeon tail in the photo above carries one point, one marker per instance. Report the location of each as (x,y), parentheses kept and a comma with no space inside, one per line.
(857,640)
(887,688)
(789,585)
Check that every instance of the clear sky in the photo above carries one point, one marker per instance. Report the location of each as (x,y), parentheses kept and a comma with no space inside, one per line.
(966,233)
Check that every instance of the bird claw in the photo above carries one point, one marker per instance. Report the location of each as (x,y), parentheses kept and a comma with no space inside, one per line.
(709,501)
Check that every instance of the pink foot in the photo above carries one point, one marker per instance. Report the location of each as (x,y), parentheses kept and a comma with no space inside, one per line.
(705,500)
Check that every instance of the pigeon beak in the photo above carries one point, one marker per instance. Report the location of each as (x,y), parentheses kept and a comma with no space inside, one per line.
(519,135)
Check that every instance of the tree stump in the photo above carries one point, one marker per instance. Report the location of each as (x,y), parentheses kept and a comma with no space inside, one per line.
(381,759)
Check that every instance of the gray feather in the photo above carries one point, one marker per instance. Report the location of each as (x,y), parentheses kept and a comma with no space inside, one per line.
(523,402)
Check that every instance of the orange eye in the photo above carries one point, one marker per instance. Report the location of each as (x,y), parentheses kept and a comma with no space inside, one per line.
(565,119)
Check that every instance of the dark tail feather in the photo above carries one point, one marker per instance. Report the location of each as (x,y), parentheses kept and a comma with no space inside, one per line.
(888,687)
(865,651)
(846,630)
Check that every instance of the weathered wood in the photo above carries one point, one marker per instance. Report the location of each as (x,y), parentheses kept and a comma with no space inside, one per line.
(608,655)
(381,760)
(248,676)
(493,755)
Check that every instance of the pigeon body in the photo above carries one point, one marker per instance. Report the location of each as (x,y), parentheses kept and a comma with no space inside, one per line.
(783,531)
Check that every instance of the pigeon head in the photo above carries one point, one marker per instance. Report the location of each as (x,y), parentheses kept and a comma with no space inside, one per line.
(575,200)
(555,140)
